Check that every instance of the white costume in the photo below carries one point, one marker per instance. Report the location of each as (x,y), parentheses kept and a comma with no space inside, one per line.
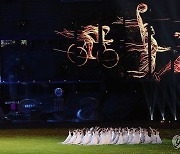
(115,136)
(79,138)
(67,139)
(73,138)
(147,139)
(120,139)
(87,138)
(95,138)
(136,138)
(158,139)
(125,137)
(153,137)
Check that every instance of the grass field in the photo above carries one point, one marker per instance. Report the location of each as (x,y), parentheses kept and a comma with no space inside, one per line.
(46,141)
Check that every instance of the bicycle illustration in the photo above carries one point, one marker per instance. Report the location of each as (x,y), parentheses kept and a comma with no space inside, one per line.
(82,51)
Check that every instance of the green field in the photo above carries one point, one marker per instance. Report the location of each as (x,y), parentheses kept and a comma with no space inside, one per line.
(46,141)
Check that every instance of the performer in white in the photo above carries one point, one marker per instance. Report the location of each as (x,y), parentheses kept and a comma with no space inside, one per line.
(158,139)
(68,138)
(130,135)
(73,138)
(136,137)
(120,139)
(101,136)
(79,137)
(147,138)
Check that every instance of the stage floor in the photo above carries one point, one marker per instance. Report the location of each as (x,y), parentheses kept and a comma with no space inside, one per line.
(47,141)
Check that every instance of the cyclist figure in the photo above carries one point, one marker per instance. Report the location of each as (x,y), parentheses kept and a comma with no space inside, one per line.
(90,35)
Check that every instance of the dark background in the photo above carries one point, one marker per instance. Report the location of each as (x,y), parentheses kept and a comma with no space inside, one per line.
(35,70)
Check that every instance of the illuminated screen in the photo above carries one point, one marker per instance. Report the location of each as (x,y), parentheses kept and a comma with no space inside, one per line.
(93,41)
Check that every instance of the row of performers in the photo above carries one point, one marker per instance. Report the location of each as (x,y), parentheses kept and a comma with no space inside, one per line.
(101,136)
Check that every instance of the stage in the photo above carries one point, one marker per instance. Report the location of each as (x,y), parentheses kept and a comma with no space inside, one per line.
(47,141)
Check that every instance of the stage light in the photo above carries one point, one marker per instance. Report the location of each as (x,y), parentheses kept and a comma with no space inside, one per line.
(175,118)
(34,81)
(49,80)
(106,91)
(162,121)
(152,117)
(163,118)
(64,80)
(58,92)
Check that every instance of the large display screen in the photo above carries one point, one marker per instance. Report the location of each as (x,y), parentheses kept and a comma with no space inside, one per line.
(91,40)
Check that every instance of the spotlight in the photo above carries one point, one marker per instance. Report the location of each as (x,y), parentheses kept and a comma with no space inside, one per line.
(151,116)
(163,118)
(175,118)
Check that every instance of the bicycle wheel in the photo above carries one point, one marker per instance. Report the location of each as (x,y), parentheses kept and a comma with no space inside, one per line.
(77,55)
(109,58)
